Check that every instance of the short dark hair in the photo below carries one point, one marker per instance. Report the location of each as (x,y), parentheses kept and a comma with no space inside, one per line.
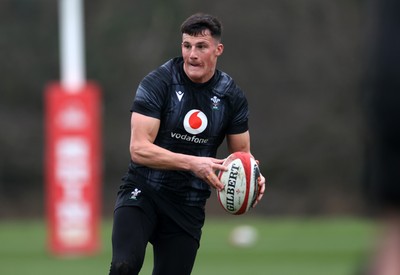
(198,23)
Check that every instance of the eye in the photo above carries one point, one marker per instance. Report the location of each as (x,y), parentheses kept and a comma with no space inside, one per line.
(201,46)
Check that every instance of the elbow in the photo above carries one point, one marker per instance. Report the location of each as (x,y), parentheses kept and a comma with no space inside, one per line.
(136,153)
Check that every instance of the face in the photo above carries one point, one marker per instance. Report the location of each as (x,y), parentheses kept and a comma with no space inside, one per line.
(200,54)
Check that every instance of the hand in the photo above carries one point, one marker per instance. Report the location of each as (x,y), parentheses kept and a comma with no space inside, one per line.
(205,167)
(261,188)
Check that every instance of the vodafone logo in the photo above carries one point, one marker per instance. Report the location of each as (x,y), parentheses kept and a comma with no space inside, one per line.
(195,122)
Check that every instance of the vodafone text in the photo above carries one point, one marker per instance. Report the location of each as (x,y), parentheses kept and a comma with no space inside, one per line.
(186,137)
(230,191)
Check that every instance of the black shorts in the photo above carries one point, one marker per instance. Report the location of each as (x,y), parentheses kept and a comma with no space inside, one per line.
(156,205)
(142,216)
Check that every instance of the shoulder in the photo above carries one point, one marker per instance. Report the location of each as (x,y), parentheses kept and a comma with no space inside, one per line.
(155,87)
(165,74)
(226,86)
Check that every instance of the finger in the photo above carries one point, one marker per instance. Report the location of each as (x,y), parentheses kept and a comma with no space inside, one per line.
(220,167)
(261,184)
(255,203)
(209,177)
(261,190)
(214,181)
(218,161)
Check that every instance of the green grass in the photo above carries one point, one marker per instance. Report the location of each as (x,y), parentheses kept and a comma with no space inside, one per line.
(285,247)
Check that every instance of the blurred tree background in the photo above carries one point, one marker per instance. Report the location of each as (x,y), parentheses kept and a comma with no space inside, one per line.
(299,63)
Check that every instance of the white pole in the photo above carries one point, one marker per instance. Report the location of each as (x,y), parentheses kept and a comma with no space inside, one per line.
(72,60)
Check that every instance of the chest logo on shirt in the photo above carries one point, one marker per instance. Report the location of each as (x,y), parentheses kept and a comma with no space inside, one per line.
(215,102)
(179,94)
(195,122)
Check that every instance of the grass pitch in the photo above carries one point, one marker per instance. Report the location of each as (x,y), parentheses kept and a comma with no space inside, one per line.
(285,246)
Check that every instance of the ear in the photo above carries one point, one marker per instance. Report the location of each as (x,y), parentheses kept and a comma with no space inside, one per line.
(220,49)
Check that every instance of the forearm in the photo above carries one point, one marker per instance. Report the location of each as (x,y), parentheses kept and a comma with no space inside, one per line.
(156,157)
(153,156)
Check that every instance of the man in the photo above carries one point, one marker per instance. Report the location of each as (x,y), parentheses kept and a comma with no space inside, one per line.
(382,106)
(181,113)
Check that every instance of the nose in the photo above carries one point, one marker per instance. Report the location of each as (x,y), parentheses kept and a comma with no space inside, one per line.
(193,53)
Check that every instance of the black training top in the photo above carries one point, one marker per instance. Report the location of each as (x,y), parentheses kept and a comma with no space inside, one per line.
(194,120)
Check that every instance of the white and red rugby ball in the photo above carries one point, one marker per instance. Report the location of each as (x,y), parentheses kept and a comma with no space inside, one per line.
(241,183)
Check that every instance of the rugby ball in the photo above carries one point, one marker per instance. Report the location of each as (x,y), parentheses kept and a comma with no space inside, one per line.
(241,183)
